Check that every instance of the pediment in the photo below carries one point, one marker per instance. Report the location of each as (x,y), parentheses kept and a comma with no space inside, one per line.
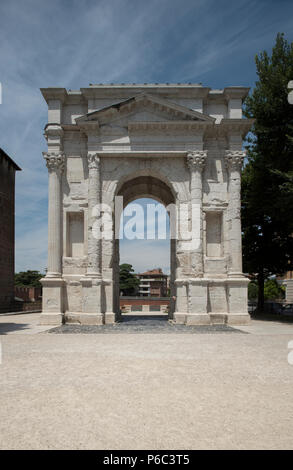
(142,109)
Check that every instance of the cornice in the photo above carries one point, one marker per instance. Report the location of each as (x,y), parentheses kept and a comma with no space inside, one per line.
(142,153)
(70,127)
(53,129)
(54,93)
(230,126)
(235,92)
(241,125)
(166,125)
(161,89)
(225,128)
(120,91)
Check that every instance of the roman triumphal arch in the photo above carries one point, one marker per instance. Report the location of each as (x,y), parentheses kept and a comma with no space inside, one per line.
(110,144)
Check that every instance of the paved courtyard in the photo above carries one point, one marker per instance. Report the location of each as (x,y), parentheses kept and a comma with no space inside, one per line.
(214,389)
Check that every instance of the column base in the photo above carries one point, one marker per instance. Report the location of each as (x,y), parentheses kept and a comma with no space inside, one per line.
(236,275)
(198,319)
(190,319)
(84,318)
(218,318)
(238,319)
(55,319)
(179,318)
(109,318)
(52,302)
(91,295)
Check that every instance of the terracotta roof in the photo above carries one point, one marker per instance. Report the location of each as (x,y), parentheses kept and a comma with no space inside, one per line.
(153,272)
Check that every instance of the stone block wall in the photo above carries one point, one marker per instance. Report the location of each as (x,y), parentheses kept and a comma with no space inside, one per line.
(7,185)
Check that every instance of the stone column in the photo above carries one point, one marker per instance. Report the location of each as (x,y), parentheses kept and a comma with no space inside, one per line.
(236,282)
(92,281)
(94,200)
(52,311)
(55,165)
(197,286)
(196,162)
(192,292)
(234,160)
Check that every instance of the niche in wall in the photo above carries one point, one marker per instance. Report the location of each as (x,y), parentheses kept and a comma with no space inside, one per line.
(75,234)
(214,247)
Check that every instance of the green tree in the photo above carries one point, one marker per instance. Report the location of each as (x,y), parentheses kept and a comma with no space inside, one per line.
(267,195)
(252,290)
(272,290)
(28,279)
(127,280)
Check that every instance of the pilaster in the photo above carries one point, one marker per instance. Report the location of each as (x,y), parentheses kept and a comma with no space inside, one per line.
(92,281)
(234,161)
(196,161)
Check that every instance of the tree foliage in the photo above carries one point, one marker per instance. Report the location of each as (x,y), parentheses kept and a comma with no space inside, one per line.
(267,190)
(252,290)
(272,290)
(28,279)
(128,281)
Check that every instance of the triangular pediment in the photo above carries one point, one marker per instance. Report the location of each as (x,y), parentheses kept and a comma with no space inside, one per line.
(143,108)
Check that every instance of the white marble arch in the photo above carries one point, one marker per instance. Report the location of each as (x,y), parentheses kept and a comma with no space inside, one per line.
(175,143)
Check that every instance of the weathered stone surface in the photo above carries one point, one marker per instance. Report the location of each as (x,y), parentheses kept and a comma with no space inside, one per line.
(177,144)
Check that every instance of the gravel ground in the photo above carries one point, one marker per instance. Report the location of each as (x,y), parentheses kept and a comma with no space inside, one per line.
(145,391)
(143,324)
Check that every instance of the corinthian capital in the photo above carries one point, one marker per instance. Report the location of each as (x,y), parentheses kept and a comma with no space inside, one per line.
(93,161)
(54,161)
(196,159)
(234,159)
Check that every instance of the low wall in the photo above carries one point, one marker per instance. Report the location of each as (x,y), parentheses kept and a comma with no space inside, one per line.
(144,304)
(32,306)
(144,301)
(28,293)
(21,306)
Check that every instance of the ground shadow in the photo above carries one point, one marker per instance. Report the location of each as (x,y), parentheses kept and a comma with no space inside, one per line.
(139,324)
(143,319)
(272,317)
(8,327)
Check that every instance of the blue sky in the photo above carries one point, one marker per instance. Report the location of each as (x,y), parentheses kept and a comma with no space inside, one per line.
(74,43)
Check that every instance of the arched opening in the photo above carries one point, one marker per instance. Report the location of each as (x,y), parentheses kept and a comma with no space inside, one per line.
(145,241)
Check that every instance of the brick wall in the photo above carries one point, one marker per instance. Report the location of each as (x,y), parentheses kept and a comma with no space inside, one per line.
(31,294)
(7,182)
